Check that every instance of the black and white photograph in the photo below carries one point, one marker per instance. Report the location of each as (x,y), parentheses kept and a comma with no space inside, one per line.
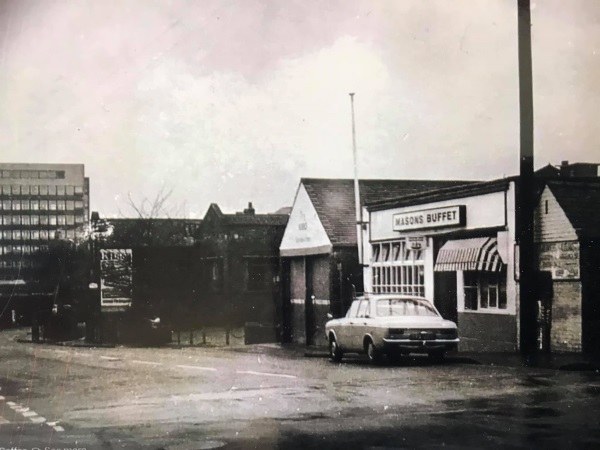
(299,224)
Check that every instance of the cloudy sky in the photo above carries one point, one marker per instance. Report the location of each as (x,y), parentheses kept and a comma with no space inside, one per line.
(235,101)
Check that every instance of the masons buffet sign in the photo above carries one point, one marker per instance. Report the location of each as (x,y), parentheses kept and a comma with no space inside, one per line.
(448,216)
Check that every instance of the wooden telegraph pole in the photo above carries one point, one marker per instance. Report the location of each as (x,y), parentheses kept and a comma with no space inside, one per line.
(526,192)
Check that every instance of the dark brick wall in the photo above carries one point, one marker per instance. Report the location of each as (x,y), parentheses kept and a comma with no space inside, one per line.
(565,335)
(487,332)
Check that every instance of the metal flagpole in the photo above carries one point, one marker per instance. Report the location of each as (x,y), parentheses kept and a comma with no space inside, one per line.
(357,205)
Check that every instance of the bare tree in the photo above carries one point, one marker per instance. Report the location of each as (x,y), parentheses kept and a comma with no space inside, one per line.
(157,221)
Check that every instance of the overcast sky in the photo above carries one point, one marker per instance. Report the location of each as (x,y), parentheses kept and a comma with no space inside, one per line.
(234,101)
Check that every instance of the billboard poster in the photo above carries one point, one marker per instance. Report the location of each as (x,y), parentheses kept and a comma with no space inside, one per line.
(116,271)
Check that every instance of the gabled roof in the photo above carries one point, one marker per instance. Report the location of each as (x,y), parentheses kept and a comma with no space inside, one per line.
(580,200)
(334,200)
(466,189)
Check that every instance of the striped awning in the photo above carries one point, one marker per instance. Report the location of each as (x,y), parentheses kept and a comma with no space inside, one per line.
(469,254)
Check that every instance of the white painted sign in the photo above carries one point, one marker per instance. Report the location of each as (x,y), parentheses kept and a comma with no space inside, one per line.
(430,218)
(416,242)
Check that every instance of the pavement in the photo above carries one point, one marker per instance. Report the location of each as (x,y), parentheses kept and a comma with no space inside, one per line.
(556,361)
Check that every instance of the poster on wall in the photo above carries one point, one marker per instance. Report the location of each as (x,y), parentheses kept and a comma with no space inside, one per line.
(116,271)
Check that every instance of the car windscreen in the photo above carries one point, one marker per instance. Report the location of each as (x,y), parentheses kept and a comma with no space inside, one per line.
(391,307)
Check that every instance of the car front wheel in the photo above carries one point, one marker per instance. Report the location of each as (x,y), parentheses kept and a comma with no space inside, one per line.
(334,350)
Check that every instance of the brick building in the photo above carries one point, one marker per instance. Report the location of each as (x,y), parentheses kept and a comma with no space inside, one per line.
(567,236)
(467,262)
(319,250)
(239,268)
(38,203)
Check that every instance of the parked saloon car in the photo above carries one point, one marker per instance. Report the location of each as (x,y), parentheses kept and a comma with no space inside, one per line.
(391,325)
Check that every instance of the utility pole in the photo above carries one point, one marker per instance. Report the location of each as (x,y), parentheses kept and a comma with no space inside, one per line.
(526,192)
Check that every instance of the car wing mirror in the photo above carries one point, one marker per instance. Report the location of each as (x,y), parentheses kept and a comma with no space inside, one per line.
(329,316)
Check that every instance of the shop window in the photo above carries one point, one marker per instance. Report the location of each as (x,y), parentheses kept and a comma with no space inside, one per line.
(259,274)
(484,290)
(398,270)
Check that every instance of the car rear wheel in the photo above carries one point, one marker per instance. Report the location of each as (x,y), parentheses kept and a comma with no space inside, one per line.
(335,353)
(373,353)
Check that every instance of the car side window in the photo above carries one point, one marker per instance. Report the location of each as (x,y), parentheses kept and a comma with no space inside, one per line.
(363,308)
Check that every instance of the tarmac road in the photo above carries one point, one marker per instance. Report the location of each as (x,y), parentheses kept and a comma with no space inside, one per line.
(269,397)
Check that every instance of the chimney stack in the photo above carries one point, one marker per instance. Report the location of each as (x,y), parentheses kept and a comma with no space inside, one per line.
(250,210)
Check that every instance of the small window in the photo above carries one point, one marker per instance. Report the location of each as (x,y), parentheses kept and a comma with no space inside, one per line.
(35,219)
(43,220)
(25,220)
(259,274)
(70,219)
(52,220)
(363,308)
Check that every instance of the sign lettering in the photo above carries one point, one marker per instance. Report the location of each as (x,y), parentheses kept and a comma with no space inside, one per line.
(430,218)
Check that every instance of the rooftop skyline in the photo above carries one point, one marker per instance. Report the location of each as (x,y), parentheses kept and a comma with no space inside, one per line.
(234,102)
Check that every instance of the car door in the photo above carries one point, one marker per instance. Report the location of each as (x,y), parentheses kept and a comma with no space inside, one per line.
(343,331)
(358,325)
